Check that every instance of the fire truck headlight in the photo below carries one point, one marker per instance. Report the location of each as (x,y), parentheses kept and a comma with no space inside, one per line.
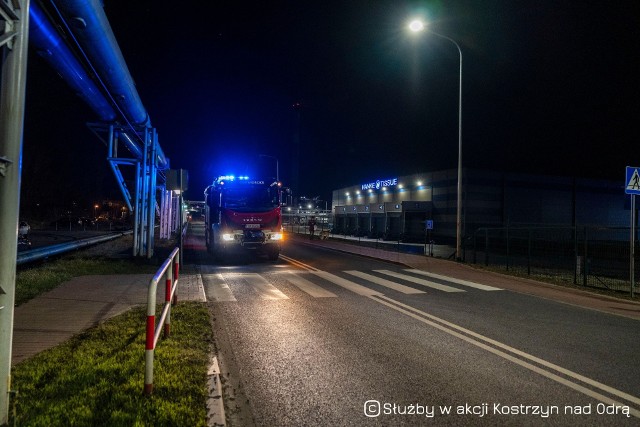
(277,236)
(227,237)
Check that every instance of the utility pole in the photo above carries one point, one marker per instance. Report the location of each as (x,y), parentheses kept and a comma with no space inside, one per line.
(13,72)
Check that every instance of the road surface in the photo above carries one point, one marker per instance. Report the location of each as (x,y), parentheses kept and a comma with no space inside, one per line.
(328,338)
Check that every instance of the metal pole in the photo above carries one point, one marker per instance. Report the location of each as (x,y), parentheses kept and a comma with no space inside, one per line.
(12,98)
(277,165)
(633,244)
(459,204)
(151,196)
(459,196)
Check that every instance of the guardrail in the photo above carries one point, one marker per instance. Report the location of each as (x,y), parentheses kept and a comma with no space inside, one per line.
(153,330)
(47,251)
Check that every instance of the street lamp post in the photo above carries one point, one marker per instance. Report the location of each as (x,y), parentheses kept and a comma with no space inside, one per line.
(417,26)
(277,165)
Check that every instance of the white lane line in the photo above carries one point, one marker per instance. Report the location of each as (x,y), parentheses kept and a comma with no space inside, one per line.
(452,280)
(422,282)
(217,288)
(306,286)
(265,289)
(347,284)
(384,282)
(452,329)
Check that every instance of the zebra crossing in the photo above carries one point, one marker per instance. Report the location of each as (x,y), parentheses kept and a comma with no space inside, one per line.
(224,286)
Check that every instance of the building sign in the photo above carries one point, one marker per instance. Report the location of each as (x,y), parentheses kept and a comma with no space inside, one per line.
(378,184)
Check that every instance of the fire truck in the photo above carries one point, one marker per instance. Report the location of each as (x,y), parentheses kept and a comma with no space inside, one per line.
(243,213)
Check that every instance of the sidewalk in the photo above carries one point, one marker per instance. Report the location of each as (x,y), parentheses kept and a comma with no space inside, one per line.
(83,302)
(567,295)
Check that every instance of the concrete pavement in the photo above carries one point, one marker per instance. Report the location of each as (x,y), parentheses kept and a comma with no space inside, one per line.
(82,303)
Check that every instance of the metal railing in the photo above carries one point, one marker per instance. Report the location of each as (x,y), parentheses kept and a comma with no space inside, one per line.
(52,250)
(588,256)
(164,323)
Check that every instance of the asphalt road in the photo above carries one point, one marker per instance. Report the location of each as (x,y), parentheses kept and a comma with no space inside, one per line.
(327,338)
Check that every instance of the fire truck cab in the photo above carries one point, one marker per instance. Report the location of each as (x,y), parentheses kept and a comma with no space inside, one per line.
(242,213)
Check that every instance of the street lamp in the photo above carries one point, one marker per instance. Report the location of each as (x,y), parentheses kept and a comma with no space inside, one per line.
(417,26)
(277,165)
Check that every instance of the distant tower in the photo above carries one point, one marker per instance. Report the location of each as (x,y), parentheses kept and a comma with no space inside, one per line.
(295,161)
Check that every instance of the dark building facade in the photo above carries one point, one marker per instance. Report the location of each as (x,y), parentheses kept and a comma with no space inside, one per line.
(403,207)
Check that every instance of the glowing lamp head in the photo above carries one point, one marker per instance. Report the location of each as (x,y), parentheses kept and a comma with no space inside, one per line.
(416,26)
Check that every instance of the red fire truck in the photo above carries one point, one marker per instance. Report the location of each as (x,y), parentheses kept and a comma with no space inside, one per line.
(242,213)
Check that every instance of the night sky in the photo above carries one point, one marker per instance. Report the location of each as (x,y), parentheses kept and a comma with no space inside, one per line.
(548,88)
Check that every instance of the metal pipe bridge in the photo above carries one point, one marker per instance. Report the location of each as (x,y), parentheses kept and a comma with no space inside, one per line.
(75,38)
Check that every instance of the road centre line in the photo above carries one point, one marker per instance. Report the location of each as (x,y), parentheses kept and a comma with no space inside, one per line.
(298,263)
(476,339)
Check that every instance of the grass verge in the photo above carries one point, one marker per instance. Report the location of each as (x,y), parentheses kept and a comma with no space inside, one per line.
(38,279)
(97,377)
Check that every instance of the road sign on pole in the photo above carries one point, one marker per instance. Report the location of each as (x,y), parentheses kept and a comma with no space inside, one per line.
(632,187)
(632,183)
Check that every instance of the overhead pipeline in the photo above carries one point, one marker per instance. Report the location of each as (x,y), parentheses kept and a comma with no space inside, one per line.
(93,33)
(91,28)
(52,48)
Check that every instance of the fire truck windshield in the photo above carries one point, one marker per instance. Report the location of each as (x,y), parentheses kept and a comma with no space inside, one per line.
(251,199)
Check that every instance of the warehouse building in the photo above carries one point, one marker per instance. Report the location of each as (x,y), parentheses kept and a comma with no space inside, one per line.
(410,207)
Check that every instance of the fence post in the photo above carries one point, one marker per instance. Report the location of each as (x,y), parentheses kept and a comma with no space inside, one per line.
(529,253)
(575,254)
(149,344)
(585,263)
(167,300)
(486,246)
(475,246)
(176,271)
(508,253)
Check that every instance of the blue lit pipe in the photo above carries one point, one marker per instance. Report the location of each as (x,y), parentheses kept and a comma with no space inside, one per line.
(49,45)
(90,27)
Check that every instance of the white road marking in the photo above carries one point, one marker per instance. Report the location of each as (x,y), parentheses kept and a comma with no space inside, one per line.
(452,280)
(477,340)
(264,288)
(217,288)
(306,286)
(422,282)
(384,282)
(347,284)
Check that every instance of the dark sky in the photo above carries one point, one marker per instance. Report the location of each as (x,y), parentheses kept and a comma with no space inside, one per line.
(548,87)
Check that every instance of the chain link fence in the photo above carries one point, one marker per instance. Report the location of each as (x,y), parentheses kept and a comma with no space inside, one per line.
(596,257)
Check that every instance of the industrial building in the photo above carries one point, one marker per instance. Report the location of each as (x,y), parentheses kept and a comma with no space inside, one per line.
(410,207)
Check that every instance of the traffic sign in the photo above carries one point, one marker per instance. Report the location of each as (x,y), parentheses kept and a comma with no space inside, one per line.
(632,183)
(429,223)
